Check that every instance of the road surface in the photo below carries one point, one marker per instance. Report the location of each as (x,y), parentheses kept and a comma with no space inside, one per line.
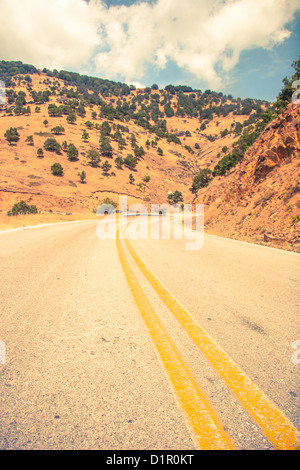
(146,345)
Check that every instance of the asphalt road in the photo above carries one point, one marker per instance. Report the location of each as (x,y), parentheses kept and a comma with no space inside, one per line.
(84,370)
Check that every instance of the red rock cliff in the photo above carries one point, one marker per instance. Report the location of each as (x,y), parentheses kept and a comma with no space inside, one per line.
(259,200)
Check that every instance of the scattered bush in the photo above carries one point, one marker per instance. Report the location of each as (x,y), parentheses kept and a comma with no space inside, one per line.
(29,139)
(175,197)
(105,147)
(227,162)
(58,130)
(72,153)
(57,169)
(111,202)
(93,157)
(71,118)
(82,176)
(130,161)
(52,145)
(119,162)
(12,135)
(22,208)
(106,166)
(85,135)
(201,180)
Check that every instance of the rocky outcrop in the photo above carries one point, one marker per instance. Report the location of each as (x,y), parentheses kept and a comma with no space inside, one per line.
(279,143)
(259,200)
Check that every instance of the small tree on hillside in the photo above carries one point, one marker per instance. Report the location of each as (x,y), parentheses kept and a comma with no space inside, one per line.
(52,145)
(29,139)
(58,130)
(72,153)
(81,111)
(85,135)
(286,93)
(82,176)
(93,157)
(106,166)
(201,180)
(22,208)
(57,169)
(119,162)
(71,118)
(130,161)
(105,129)
(175,197)
(12,135)
(105,147)
(64,145)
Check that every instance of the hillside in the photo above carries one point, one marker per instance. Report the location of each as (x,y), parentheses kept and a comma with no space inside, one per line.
(259,200)
(163,138)
(173,132)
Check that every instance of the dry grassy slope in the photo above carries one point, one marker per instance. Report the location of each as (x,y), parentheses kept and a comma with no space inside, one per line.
(24,176)
(259,200)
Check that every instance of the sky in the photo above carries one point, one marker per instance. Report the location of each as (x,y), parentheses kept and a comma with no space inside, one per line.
(239,47)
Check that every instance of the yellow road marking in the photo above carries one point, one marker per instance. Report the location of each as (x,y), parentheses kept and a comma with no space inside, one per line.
(203,421)
(274,424)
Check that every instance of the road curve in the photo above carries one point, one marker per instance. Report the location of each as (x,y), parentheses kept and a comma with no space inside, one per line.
(82,369)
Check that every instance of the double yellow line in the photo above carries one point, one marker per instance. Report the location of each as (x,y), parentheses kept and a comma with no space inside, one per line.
(203,420)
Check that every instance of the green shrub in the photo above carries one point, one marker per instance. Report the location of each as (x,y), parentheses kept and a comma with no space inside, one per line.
(12,135)
(119,162)
(22,208)
(52,145)
(82,176)
(106,166)
(227,162)
(72,153)
(175,197)
(85,135)
(58,130)
(107,200)
(57,169)
(105,147)
(29,139)
(93,157)
(71,118)
(130,161)
(201,180)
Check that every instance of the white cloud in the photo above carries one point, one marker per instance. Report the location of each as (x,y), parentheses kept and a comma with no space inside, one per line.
(203,37)
(197,35)
(48,33)
(137,84)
